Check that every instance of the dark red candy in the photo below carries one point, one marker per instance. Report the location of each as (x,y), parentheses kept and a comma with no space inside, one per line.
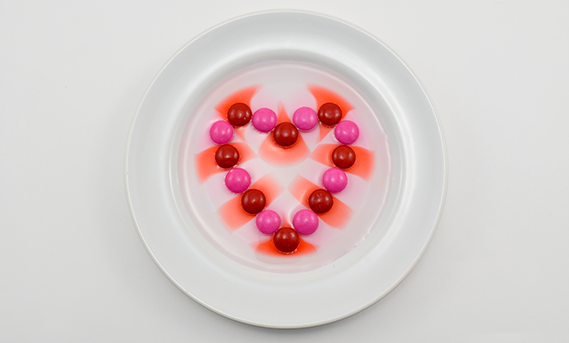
(253,201)
(343,157)
(239,114)
(285,134)
(226,156)
(286,240)
(320,201)
(330,114)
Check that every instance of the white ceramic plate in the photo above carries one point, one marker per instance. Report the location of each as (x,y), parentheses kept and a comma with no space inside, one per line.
(298,299)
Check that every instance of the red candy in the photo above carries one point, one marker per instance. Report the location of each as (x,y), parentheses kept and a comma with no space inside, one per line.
(320,201)
(239,114)
(286,240)
(330,114)
(285,134)
(226,156)
(253,201)
(343,157)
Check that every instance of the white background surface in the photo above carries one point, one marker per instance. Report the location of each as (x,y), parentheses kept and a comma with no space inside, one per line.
(73,267)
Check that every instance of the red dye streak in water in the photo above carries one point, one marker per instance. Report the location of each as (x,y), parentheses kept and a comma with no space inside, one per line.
(282,116)
(301,188)
(322,96)
(243,96)
(363,167)
(364,163)
(323,154)
(284,221)
(275,155)
(268,248)
(240,132)
(270,186)
(324,130)
(338,216)
(206,165)
(245,152)
(233,214)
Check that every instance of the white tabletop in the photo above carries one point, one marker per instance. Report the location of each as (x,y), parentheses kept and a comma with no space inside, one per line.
(74,268)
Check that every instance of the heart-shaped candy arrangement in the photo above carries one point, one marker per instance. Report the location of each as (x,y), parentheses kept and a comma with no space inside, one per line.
(284,146)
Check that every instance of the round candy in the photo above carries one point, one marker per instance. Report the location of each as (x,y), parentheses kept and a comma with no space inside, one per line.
(285,134)
(253,201)
(305,119)
(221,132)
(264,120)
(286,240)
(320,201)
(343,157)
(330,114)
(239,114)
(268,222)
(226,156)
(334,180)
(346,132)
(305,222)
(237,180)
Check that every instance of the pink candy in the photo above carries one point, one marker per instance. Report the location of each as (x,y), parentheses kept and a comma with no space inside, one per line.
(305,119)
(237,180)
(305,222)
(346,132)
(221,132)
(264,120)
(268,222)
(334,180)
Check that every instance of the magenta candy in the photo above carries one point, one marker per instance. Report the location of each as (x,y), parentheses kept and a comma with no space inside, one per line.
(237,180)
(268,222)
(334,180)
(264,120)
(346,132)
(221,132)
(305,222)
(305,118)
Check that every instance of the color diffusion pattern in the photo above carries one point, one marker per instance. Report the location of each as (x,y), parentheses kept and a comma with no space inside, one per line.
(339,154)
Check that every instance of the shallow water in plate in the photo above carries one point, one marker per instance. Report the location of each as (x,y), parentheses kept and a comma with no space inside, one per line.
(286,176)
